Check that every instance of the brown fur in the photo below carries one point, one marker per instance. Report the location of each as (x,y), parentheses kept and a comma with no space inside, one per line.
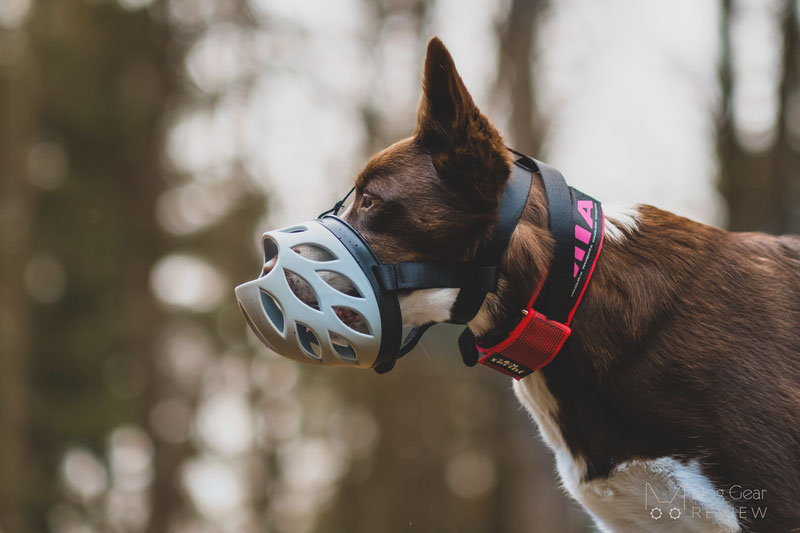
(687,345)
(687,342)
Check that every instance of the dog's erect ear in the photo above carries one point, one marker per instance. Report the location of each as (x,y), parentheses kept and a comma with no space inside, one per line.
(463,144)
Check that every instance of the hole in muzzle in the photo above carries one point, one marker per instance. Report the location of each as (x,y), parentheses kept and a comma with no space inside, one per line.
(294,229)
(339,282)
(270,249)
(343,348)
(273,310)
(270,255)
(302,289)
(352,319)
(313,252)
(308,341)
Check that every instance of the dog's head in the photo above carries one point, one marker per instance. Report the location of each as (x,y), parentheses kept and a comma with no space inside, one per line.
(435,196)
(432,199)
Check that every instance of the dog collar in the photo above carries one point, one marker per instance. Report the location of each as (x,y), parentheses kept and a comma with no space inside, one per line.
(577,224)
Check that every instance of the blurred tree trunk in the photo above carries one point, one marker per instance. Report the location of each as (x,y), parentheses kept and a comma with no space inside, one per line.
(106,82)
(18,105)
(786,152)
(517,39)
(762,189)
(142,181)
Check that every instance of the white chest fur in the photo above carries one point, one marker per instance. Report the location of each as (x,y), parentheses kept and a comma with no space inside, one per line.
(657,495)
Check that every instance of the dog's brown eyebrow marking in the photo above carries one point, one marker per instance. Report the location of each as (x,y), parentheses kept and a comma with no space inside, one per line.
(375,168)
(384,163)
(363,178)
(377,186)
(369,176)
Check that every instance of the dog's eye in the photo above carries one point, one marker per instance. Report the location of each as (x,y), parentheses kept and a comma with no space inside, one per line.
(367,201)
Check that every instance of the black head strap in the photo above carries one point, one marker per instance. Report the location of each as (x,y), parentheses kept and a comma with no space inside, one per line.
(554,298)
(413,276)
(515,196)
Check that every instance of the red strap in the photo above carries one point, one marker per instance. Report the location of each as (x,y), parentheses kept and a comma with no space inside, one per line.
(536,340)
(530,346)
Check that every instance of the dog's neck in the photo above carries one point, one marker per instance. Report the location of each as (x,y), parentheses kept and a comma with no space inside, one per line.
(528,257)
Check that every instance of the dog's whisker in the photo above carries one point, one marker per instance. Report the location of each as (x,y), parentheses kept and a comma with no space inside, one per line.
(425,350)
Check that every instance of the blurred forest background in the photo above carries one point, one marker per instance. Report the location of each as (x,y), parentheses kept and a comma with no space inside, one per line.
(146,144)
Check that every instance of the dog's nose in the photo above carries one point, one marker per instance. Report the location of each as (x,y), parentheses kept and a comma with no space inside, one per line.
(269,265)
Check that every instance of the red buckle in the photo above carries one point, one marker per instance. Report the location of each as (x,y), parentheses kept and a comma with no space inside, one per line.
(532,344)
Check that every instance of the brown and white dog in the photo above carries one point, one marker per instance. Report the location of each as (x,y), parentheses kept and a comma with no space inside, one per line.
(675,403)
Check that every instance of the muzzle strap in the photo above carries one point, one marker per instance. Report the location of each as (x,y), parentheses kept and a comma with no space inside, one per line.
(557,288)
(414,276)
(512,203)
